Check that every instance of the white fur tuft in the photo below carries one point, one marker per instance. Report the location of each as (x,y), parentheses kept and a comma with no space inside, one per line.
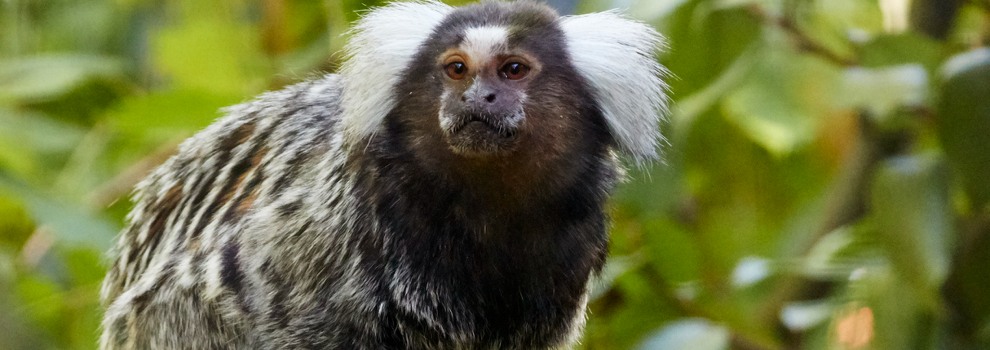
(617,56)
(382,44)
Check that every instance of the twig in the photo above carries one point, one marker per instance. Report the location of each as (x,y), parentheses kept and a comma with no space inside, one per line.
(804,42)
(121,185)
(36,246)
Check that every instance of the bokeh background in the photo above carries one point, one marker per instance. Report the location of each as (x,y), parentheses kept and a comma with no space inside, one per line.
(825,183)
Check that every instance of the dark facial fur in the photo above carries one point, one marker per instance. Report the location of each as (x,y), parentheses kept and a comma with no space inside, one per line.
(468,215)
(535,133)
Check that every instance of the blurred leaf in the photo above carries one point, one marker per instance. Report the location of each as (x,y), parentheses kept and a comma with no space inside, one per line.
(784,97)
(15,225)
(773,6)
(42,78)
(749,271)
(652,9)
(823,260)
(880,91)
(211,52)
(681,261)
(964,121)
(42,302)
(968,288)
(71,223)
(85,265)
(704,43)
(899,318)
(846,19)
(690,107)
(901,49)
(695,334)
(27,144)
(910,203)
(160,116)
(801,316)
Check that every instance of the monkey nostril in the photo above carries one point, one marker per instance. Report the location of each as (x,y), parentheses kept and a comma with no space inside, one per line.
(490,98)
(463,98)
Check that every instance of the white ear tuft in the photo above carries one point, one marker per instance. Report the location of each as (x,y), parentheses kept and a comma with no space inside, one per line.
(382,44)
(617,56)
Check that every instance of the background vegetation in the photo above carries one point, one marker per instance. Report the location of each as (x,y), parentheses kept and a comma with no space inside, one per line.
(825,184)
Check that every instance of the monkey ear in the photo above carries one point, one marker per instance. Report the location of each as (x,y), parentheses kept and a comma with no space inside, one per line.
(382,43)
(617,57)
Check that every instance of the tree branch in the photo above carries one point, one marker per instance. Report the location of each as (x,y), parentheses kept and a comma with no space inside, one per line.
(804,42)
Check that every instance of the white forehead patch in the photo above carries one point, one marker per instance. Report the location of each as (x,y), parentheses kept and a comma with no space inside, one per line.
(485,41)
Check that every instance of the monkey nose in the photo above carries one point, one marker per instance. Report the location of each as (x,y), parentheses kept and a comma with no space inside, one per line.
(490,98)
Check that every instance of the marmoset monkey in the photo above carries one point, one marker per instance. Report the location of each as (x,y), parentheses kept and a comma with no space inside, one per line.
(445,190)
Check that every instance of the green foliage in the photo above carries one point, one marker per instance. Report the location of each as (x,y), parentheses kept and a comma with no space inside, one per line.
(825,185)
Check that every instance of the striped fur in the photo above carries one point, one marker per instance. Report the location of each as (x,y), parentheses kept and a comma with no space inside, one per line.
(189,211)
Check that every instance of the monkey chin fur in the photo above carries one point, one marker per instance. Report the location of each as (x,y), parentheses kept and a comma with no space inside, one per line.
(479,135)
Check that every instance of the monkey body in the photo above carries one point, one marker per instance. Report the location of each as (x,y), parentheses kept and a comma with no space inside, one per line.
(445,190)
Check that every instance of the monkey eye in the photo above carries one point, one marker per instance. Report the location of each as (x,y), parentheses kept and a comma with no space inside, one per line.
(456,70)
(514,70)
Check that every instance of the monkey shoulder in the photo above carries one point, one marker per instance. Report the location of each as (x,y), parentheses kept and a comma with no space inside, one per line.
(221,180)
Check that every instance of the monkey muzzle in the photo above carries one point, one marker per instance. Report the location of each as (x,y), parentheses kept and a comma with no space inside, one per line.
(480,133)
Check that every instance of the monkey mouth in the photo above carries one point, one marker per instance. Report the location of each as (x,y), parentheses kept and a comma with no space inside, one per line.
(479,134)
(478,123)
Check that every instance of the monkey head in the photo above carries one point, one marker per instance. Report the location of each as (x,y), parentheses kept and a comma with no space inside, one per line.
(503,82)
(497,82)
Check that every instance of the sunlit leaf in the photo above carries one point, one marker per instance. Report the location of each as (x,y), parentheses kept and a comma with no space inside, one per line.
(41,78)
(849,15)
(773,5)
(901,49)
(160,116)
(27,143)
(780,104)
(209,52)
(881,91)
(822,261)
(652,9)
(15,225)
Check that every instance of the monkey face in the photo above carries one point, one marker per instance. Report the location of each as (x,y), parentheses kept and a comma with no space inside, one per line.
(484,92)
(494,98)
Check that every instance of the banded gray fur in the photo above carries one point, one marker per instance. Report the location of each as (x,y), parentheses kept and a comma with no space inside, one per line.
(312,217)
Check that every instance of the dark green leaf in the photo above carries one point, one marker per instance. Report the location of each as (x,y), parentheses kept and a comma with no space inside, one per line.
(964,121)
(911,208)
